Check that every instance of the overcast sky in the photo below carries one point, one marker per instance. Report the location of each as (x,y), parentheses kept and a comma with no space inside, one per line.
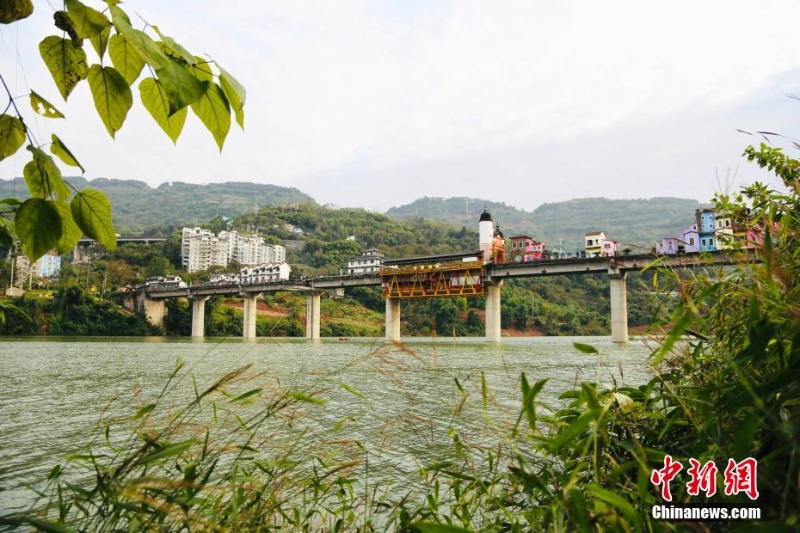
(378,103)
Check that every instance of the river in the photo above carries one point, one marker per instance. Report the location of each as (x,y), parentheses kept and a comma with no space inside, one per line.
(53,390)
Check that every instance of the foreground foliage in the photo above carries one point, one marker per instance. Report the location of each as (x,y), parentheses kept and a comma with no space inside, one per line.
(54,217)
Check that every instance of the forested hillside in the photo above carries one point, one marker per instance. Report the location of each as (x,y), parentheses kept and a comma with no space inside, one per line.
(142,210)
(331,237)
(139,209)
(639,222)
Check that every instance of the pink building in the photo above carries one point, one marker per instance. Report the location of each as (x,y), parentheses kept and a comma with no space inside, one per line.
(597,245)
(523,249)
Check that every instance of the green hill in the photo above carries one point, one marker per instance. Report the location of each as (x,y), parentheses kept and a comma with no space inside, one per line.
(639,222)
(139,209)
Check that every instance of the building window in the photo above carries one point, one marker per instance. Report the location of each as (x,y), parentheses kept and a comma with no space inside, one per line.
(691,241)
(702,242)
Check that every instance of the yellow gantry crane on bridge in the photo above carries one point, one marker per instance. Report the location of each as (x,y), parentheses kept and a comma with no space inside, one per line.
(431,280)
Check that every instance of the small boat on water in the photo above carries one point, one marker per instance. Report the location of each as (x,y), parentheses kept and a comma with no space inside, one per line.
(344,338)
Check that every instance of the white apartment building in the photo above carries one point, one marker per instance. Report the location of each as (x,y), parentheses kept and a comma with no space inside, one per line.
(46,266)
(265,273)
(368,262)
(200,248)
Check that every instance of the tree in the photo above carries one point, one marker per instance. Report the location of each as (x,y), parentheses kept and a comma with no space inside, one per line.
(57,215)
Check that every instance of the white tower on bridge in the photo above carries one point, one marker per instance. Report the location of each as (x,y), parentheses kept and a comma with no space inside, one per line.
(485,235)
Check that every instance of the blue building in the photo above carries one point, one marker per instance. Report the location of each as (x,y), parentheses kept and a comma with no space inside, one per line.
(706,229)
(49,265)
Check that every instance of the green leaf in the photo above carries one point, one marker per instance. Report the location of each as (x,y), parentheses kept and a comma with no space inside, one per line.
(43,107)
(579,503)
(303,397)
(156,101)
(235,93)
(65,61)
(100,41)
(142,42)
(252,394)
(54,472)
(14,10)
(175,47)
(40,524)
(71,233)
(126,59)
(87,21)
(166,452)
(568,433)
(182,87)
(112,96)
(92,212)
(351,390)
(6,234)
(144,411)
(38,227)
(529,398)
(64,22)
(43,177)
(613,499)
(201,69)
(435,527)
(213,111)
(585,348)
(12,135)
(59,149)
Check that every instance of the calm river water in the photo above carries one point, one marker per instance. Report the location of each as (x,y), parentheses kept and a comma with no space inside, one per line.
(52,391)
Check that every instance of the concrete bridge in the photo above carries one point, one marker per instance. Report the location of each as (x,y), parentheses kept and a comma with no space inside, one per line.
(153,301)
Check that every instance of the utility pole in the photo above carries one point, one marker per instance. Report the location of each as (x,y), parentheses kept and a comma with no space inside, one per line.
(13,262)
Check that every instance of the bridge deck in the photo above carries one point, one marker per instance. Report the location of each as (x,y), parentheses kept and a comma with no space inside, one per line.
(558,267)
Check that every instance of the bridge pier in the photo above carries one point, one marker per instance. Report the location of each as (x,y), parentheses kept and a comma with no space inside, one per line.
(156,312)
(250,313)
(393,319)
(312,316)
(199,316)
(619,307)
(493,323)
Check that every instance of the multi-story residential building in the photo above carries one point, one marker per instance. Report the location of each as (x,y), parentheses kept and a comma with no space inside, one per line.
(368,262)
(200,248)
(713,231)
(522,249)
(265,273)
(669,246)
(689,241)
(690,237)
(724,231)
(47,266)
(706,227)
(597,245)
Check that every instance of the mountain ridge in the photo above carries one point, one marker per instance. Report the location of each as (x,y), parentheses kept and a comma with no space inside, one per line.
(636,222)
(139,209)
